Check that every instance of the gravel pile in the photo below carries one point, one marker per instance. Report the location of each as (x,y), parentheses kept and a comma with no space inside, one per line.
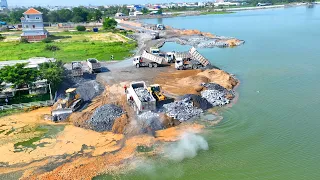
(151,120)
(104,117)
(215,86)
(89,90)
(182,110)
(215,97)
(143,94)
(197,101)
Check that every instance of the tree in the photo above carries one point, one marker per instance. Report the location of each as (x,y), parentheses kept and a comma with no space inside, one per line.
(159,11)
(109,23)
(80,14)
(145,11)
(65,15)
(81,28)
(95,15)
(16,15)
(53,72)
(19,75)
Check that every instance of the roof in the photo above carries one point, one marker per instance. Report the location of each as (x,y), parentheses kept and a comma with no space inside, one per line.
(32,11)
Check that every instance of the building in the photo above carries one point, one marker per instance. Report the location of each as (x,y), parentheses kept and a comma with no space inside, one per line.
(32,25)
(136,13)
(3,4)
(119,15)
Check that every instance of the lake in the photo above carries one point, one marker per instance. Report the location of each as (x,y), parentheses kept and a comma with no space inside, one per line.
(272,132)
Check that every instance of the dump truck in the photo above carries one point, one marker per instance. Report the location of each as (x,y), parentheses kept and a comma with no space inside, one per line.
(155,90)
(66,106)
(140,98)
(76,69)
(94,65)
(191,60)
(147,60)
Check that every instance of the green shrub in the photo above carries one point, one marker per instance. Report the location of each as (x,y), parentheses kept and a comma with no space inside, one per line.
(24,40)
(51,48)
(2,37)
(47,40)
(81,28)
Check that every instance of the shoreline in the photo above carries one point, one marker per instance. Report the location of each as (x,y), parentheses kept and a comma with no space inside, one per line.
(200,13)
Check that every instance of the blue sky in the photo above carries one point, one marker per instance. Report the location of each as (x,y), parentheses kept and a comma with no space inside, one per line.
(86,2)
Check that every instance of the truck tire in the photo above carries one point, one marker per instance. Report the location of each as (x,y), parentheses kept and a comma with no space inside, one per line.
(155,65)
(137,65)
(150,65)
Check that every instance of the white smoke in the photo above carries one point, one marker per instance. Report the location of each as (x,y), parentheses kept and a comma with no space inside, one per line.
(187,147)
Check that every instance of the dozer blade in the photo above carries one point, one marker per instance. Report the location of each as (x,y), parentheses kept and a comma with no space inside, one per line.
(61,111)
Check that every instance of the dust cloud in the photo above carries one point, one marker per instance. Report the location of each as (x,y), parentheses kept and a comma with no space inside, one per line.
(187,147)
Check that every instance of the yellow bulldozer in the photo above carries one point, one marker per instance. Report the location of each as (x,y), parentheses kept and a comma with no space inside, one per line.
(71,103)
(155,90)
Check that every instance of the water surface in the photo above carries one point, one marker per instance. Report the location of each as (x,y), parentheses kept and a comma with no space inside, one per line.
(273,130)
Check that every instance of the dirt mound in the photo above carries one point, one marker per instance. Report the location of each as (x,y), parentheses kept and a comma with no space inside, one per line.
(220,77)
(120,123)
(194,81)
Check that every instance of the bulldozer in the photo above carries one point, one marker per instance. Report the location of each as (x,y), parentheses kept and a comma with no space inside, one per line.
(155,90)
(71,103)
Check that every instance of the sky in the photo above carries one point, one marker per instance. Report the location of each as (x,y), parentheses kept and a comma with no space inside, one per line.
(86,2)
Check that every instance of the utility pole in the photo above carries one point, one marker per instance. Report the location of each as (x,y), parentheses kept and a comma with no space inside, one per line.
(50,92)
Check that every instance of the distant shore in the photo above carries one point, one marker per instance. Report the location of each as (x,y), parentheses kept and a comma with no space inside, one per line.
(215,11)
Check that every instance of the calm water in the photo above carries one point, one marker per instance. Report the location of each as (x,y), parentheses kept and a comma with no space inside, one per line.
(273,130)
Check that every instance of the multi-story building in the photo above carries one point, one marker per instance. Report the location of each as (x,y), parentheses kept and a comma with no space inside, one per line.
(32,25)
(3,4)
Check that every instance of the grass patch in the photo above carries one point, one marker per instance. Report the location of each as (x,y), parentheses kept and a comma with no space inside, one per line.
(215,12)
(144,148)
(9,112)
(26,98)
(73,46)
(43,132)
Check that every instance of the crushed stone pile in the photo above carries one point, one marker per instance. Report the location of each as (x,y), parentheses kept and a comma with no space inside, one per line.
(60,117)
(89,90)
(149,120)
(103,118)
(197,101)
(143,94)
(182,110)
(215,94)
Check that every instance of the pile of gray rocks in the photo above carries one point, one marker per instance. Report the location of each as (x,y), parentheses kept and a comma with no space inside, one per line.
(89,90)
(182,110)
(215,94)
(143,94)
(103,118)
(149,120)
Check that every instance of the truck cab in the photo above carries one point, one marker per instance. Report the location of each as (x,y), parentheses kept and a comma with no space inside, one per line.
(154,51)
(137,60)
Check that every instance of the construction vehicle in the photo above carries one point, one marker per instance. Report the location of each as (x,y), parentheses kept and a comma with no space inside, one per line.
(155,90)
(160,27)
(94,65)
(154,51)
(76,69)
(155,35)
(71,103)
(191,60)
(147,60)
(141,102)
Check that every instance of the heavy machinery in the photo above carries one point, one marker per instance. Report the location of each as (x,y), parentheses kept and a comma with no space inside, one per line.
(76,69)
(191,60)
(147,60)
(155,90)
(140,98)
(66,106)
(94,65)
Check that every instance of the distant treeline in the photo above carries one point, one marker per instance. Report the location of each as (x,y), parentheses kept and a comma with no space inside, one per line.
(255,2)
(76,14)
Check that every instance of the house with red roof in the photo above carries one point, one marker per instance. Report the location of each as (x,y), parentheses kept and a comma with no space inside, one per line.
(32,25)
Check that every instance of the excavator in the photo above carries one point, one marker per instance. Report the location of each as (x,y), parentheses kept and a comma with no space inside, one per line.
(71,103)
(155,90)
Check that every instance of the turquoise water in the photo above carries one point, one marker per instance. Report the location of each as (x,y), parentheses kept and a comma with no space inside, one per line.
(272,132)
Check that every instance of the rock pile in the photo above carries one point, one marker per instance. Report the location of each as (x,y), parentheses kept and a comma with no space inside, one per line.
(182,110)
(103,118)
(150,120)
(215,94)
(197,101)
(143,94)
(89,90)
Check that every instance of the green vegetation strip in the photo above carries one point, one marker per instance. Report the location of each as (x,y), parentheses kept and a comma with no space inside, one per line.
(216,12)
(69,51)
(9,112)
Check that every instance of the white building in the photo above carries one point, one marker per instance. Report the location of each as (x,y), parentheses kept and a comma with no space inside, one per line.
(32,25)
(135,13)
